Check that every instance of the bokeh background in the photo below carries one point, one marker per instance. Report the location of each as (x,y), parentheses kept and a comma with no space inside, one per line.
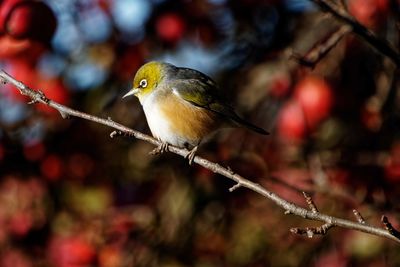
(70,196)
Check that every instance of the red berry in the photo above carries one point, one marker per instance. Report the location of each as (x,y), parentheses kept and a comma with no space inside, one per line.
(372,119)
(21,222)
(10,47)
(370,13)
(315,98)
(71,251)
(170,27)
(5,7)
(34,151)
(291,123)
(34,20)
(14,258)
(51,167)
(110,257)
(280,86)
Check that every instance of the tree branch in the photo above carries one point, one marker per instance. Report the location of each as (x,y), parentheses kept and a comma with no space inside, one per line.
(340,13)
(320,50)
(290,208)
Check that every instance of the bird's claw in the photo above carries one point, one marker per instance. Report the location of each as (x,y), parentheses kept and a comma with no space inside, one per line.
(190,156)
(163,147)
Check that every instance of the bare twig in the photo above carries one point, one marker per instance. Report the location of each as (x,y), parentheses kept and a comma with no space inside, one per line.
(320,50)
(340,13)
(289,207)
(236,186)
(311,231)
(389,227)
(310,203)
(358,216)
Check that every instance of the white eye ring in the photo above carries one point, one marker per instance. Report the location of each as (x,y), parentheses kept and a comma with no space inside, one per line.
(143,83)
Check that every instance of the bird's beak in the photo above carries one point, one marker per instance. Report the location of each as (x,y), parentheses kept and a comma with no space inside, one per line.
(133,91)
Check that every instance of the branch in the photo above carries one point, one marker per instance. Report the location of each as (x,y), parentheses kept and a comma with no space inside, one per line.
(341,14)
(320,50)
(290,208)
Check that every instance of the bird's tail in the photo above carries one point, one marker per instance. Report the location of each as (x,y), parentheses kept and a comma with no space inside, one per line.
(241,122)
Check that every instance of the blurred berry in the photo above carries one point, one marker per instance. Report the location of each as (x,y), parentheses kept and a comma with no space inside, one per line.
(10,47)
(315,98)
(71,251)
(372,119)
(33,20)
(370,13)
(52,167)
(291,122)
(35,151)
(14,258)
(20,223)
(110,257)
(170,27)
(280,86)
(5,9)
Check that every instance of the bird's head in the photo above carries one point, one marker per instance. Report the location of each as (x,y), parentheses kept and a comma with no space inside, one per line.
(146,79)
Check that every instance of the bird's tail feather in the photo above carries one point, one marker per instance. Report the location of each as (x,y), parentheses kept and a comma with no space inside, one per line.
(249,125)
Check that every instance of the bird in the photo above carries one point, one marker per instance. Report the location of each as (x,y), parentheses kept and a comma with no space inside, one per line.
(182,106)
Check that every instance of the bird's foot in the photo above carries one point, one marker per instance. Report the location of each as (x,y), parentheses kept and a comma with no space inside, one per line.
(163,147)
(190,156)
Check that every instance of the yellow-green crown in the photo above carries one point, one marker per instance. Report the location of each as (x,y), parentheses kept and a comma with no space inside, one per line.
(148,77)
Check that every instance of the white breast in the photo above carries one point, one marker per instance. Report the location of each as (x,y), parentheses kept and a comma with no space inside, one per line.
(158,124)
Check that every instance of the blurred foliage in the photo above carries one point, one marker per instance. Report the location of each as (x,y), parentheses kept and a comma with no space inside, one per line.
(71,196)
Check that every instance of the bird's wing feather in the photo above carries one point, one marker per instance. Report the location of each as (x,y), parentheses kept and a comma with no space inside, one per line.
(202,92)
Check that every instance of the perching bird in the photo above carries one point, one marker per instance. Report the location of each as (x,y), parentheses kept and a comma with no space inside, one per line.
(182,106)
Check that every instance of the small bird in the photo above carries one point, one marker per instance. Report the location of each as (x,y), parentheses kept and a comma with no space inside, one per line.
(182,106)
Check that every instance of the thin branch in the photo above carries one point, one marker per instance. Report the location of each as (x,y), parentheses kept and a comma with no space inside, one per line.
(310,202)
(311,231)
(290,208)
(320,50)
(340,13)
(358,216)
(389,227)
(234,187)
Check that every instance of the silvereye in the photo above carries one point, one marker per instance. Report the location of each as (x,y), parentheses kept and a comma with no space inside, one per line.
(182,106)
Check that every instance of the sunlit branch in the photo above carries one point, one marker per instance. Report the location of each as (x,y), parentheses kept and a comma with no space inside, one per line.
(290,208)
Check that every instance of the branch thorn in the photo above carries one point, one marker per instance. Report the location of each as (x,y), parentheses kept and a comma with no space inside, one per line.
(115,134)
(33,101)
(64,115)
(230,170)
(358,216)
(310,203)
(311,231)
(236,186)
(389,227)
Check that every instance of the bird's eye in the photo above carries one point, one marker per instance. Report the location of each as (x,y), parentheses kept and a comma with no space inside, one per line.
(143,83)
